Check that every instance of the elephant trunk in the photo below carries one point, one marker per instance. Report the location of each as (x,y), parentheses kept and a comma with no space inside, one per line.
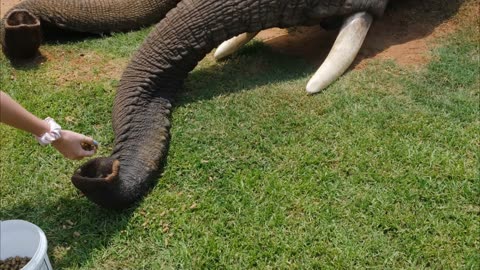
(156,73)
(141,145)
(142,105)
(92,16)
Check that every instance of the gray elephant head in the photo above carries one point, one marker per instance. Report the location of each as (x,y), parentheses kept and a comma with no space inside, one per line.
(22,27)
(156,73)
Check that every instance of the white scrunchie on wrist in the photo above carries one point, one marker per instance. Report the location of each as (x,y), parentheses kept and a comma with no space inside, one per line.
(52,135)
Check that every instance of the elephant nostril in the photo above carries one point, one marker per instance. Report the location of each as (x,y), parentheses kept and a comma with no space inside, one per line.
(100,168)
(96,174)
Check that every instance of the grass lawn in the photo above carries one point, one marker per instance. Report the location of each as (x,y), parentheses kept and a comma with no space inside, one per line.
(378,171)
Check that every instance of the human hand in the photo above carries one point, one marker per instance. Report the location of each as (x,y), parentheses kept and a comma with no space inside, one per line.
(70,145)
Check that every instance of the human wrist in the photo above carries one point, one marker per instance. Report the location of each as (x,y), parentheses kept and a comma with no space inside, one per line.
(52,134)
(40,127)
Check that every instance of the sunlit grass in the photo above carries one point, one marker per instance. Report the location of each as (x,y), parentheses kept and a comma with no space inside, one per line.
(380,170)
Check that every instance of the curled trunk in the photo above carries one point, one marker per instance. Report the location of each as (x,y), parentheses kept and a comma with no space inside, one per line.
(25,21)
(155,74)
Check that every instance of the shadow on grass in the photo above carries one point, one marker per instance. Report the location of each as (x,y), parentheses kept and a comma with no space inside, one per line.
(54,35)
(74,227)
(28,64)
(255,65)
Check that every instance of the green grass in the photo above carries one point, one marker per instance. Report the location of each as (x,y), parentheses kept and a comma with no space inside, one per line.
(378,171)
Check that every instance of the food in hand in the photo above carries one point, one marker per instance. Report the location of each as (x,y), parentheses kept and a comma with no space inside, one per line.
(89,147)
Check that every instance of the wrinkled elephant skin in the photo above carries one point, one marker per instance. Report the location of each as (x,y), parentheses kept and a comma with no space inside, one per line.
(156,73)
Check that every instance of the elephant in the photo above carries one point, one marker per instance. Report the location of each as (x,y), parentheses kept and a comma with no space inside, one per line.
(155,74)
(343,53)
(22,27)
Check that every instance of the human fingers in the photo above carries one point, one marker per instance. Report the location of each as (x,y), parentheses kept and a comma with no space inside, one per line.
(84,153)
(89,144)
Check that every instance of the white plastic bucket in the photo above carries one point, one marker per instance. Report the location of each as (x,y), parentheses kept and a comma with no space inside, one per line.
(24,239)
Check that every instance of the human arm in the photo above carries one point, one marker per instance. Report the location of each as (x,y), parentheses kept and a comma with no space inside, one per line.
(69,144)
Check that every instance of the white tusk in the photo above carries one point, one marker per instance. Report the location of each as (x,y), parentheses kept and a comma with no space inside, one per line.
(232,45)
(344,50)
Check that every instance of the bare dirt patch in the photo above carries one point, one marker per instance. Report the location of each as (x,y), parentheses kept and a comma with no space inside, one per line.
(6,5)
(405,34)
(69,67)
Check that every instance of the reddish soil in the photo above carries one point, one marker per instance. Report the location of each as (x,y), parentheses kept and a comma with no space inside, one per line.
(5,5)
(69,67)
(404,34)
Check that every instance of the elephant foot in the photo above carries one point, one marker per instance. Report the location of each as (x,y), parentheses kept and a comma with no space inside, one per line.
(22,34)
